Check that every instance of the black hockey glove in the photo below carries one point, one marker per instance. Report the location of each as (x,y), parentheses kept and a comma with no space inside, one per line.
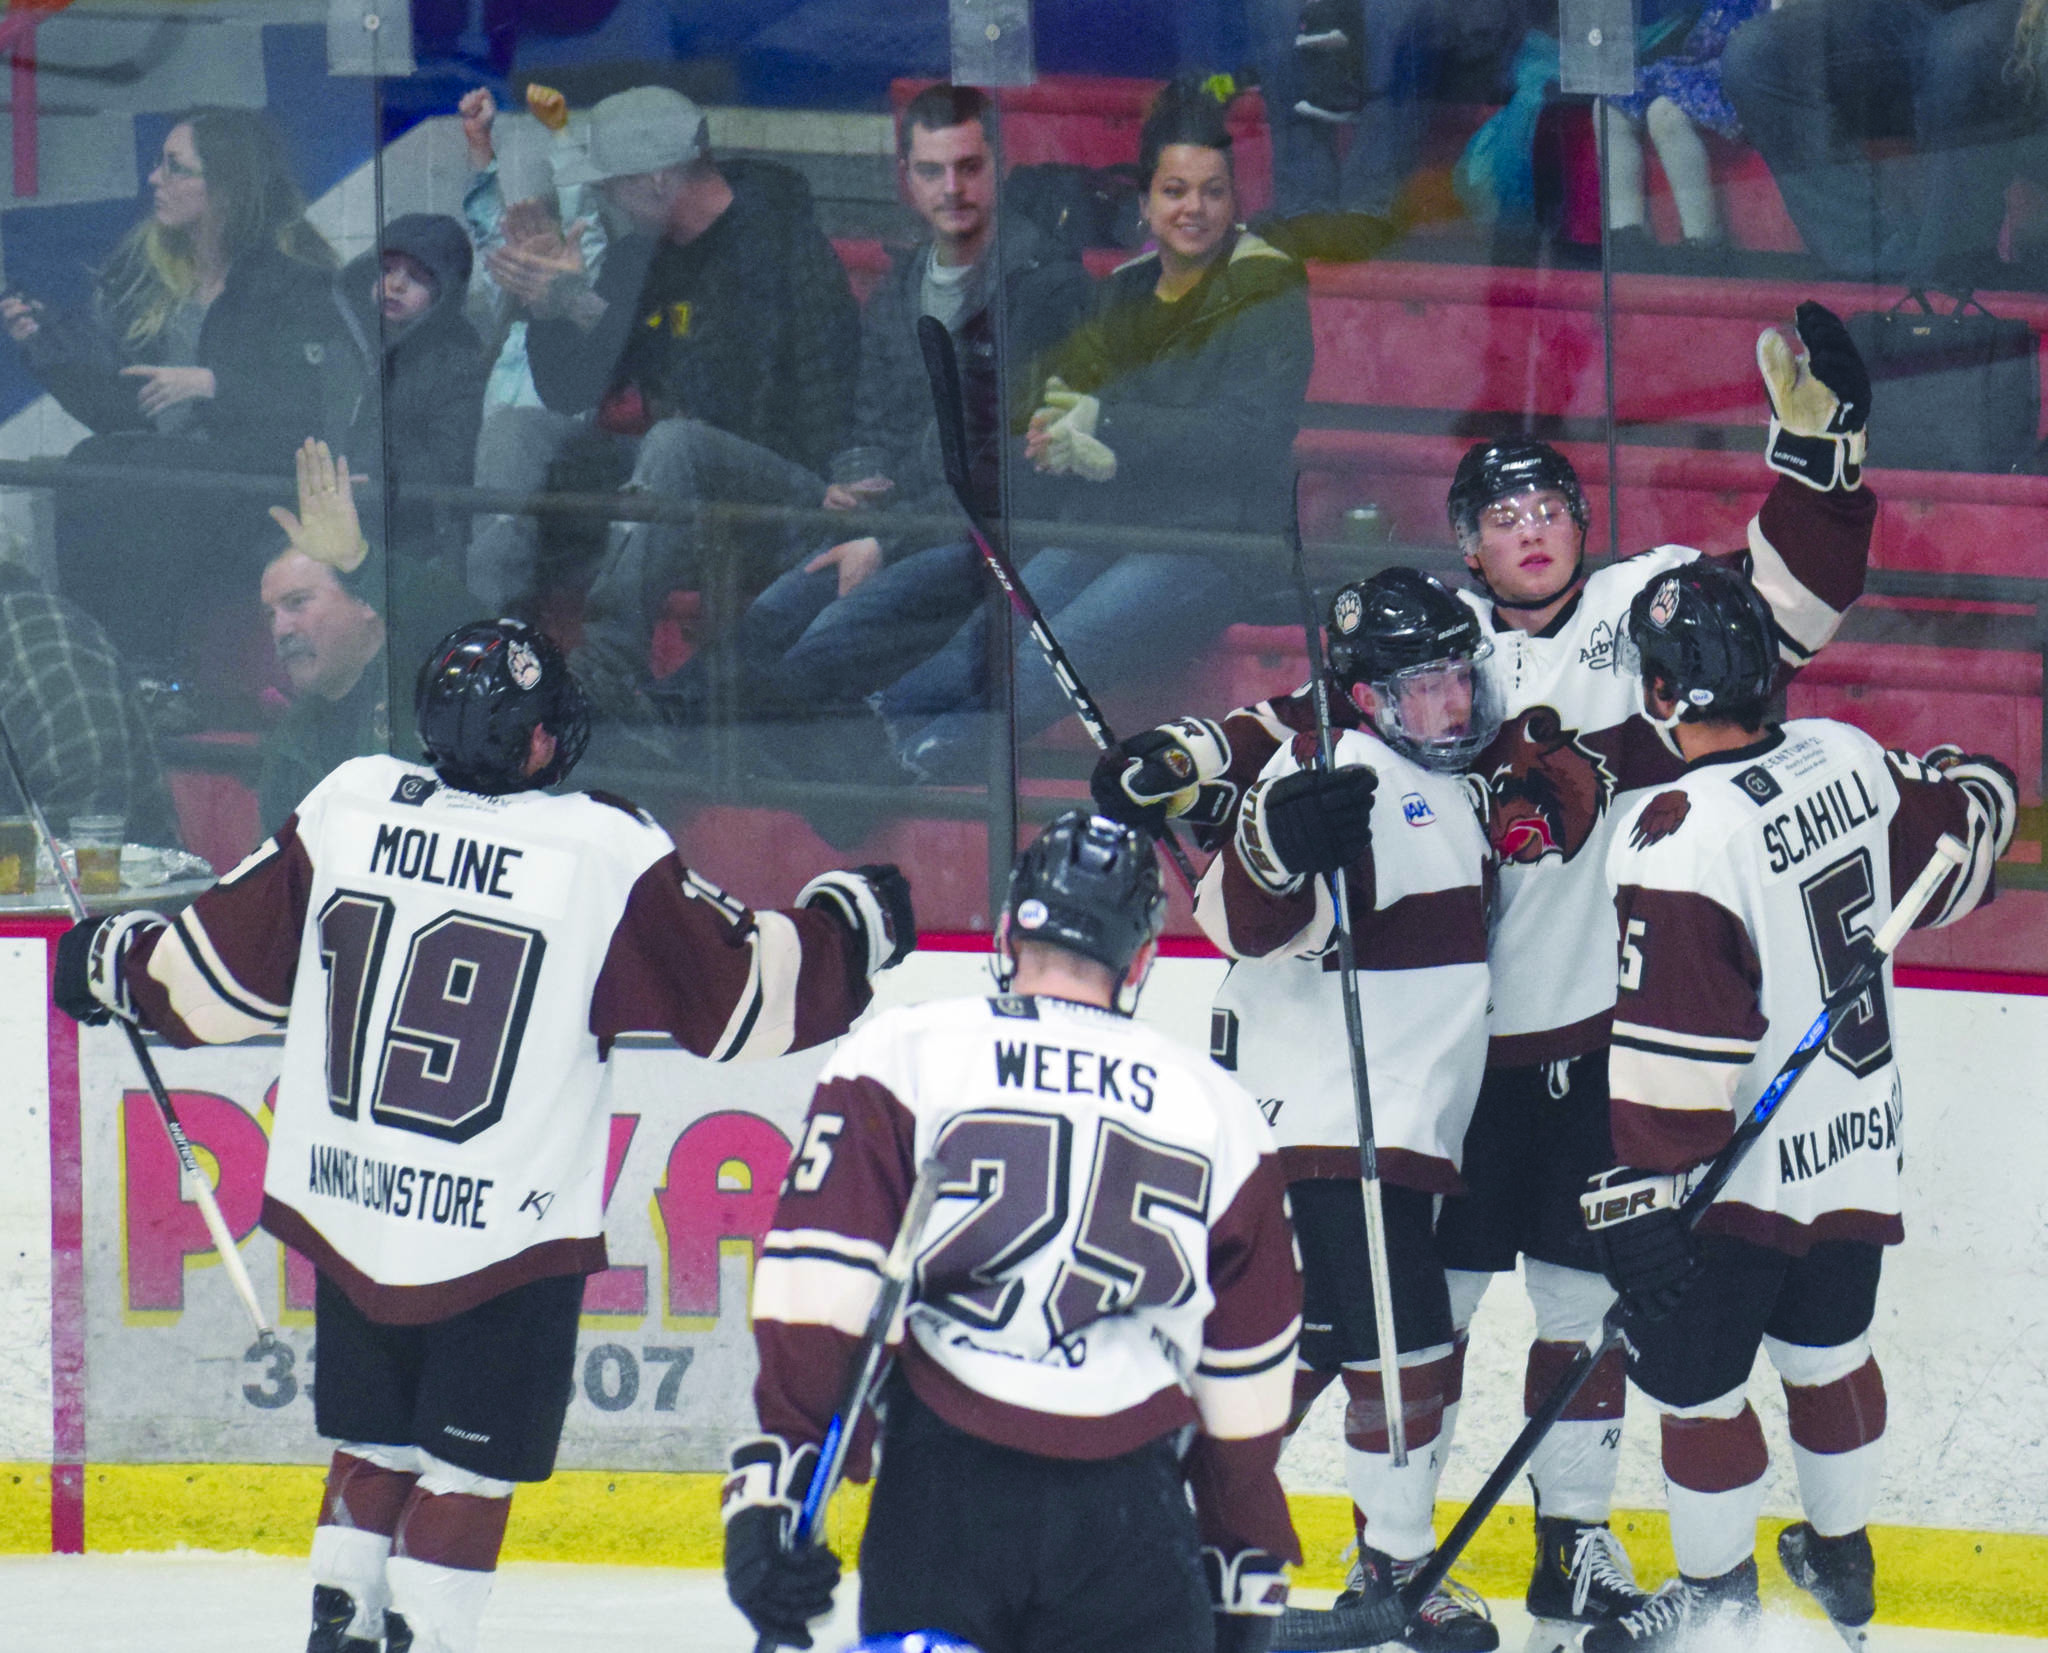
(780,1590)
(1644,1246)
(87,984)
(1247,1591)
(1820,402)
(1311,822)
(873,902)
(1169,773)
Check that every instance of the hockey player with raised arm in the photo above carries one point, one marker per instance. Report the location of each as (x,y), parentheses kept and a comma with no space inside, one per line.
(451,950)
(1744,890)
(1081,1433)
(1410,667)
(1572,743)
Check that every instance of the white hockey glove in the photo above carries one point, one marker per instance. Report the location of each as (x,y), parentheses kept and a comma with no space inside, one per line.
(1313,821)
(874,903)
(1644,1245)
(88,984)
(1995,788)
(1820,402)
(1247,1592)
(780,1589)
(1171,773)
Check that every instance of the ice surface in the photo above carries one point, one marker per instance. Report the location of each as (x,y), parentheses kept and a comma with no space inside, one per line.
(194,1602)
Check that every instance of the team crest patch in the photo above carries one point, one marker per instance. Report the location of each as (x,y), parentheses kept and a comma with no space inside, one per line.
(1758,783)
(1660,817)
(523,664)
(1664,606)
(1347,611)
(1546,789)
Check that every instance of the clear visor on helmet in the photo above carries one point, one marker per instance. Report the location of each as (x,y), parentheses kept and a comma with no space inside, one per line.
(1442,713)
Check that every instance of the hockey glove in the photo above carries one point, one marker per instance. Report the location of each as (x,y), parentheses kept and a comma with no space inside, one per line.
(1247,1591)
(781,1590)
(1644,1245)
(1313,821)
(874,903)
(1995,788)
(1820,402)
(1166,774)
(88,985)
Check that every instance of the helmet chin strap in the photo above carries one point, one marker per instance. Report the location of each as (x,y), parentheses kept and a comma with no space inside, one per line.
(1663,725)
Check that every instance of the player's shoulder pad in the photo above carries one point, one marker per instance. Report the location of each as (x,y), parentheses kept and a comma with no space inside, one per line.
(625,806)
(377,778)
(1620,581)
(884,1044)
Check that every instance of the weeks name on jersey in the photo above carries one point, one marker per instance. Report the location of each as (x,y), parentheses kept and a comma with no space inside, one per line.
(1818,819)
(1068,1070)
(393,1190)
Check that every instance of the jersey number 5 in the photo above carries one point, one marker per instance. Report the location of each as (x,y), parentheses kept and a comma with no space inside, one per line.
(451,1043)
(1861,1039)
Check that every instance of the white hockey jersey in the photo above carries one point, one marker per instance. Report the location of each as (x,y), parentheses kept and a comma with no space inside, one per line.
(451,970)
(1740,890)
(1109,1258)
(1574,744)
(1419,908)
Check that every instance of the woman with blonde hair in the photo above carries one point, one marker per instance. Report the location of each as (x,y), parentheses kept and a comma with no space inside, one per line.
(209,345)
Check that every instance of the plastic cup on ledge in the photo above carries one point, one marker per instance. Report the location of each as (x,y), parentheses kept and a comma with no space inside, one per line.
(96,841)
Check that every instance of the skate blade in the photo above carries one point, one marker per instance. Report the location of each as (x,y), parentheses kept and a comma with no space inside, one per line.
(1856,1635)
(1552,1635)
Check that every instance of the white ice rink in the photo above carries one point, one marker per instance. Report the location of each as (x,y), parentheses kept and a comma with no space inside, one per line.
(201,1603)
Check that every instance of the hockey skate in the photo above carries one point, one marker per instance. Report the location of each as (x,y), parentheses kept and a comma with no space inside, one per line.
(1367,1613)
(1582,1576)
(1668,1620)
(1839,1573)
(333,1611)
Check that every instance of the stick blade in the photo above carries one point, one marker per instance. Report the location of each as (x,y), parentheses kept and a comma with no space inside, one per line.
(1342,1629)
(942,367)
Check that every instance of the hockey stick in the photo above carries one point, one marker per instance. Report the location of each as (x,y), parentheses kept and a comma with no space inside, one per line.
(1386,1620)
(1354,1022)
(209,1207)
(943,367)
(870,1366)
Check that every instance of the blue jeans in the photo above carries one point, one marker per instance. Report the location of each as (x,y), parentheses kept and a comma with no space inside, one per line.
(1119,618)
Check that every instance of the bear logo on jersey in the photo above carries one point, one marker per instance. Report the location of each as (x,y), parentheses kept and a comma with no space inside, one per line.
(1661,816)
(1546,789)
(523,664)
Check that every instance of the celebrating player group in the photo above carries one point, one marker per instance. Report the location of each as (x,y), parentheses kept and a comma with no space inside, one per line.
(1594,891)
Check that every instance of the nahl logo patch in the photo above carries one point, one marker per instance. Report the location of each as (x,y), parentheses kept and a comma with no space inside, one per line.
(1415,809)
(523,664)
(1758,783)
(415,789)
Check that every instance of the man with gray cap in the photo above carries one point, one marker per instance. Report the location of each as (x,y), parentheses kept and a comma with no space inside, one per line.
(716,350)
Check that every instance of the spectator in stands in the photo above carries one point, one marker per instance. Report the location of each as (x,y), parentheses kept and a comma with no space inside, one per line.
(1678,91)
(211,344)
(416,417)
(513,181)
(1357,160)
(1175,406)
(717,348)
(1815,80)
(65,700)
(1006,300)
(345,623)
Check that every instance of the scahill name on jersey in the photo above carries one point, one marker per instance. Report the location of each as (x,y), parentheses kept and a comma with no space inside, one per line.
(1804,1154)
(1061,1071)
(461,864)
(421,1193)
(1817,820)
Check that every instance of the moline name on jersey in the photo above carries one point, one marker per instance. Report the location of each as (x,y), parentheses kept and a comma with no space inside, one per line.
(415,853)
(1060,1071)
(421,1193)
(1819,819)
(1806,1154)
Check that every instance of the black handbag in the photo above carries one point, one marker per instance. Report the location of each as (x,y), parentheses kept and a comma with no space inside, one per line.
(1951,390)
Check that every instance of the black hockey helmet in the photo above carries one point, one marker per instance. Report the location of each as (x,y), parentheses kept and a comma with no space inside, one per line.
(1706,634)
(1413,641)
(480,695)
(1090,885)
(1500,469)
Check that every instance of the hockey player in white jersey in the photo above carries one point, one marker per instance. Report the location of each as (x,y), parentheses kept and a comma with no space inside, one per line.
(1744,890)
(1410,664)
(1108,1273)
(451,951)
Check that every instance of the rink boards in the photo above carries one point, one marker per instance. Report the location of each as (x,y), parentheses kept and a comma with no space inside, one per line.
(136,1413)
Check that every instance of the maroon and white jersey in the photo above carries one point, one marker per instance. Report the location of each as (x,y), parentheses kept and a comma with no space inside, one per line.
(1418,901)
(1741,890)
(1574,743)
(450,971)
(1109,1259)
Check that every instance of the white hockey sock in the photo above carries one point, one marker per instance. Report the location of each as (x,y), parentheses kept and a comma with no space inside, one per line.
(444,1554)
(1575,1465)
(443,1606)
(1835,1407)
(1397,1504)
(1714,1464)
(1624,172)
(1838,1490)
(348,1558)
(1683,156)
